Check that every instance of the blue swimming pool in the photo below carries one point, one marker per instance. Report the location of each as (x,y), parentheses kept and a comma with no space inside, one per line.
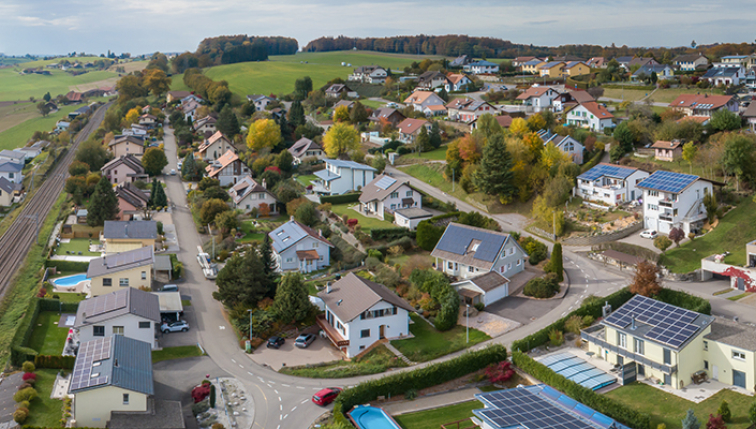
(372,418)
(70,280)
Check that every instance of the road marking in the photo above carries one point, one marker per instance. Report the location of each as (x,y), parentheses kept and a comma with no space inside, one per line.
(300,387)
(269,385)
(261,379)
(249,373)
(292,410)
(233,360)
(241,366)
(280,417)
(304,401)
(286,416)
(279,427)
(280,406)
(563,313)
(276,391)
(272,382)
(285,385)
(221,327)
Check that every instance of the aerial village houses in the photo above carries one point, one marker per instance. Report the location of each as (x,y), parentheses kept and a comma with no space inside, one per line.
(124,169)
(260,101)
(409,129)
(690,62)
(132,268)
(385,193)
(610,184)
(591,115)
(249,195)
(538,97)
(431,80)
(566,144)
(205,126)
(297,247)
(387,114)
(126,145)
(214,147)
(674,200)
(704,104)
(228,169)
(554,69)
(8,191)
(12,171)
(532,66)
(120,236)
(456,82)
(131,201)
(369,74)
(130,312)
(305,148)
(481,67)
(667,151)
(419,100)
(340,177)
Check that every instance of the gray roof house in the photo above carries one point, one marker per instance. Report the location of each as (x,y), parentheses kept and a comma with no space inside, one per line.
(340,177)
(13,155)
(8,190)
(385,193)
(130,312)
(116,262)
(11,170)
(134,229)
(306,148)
(297,247)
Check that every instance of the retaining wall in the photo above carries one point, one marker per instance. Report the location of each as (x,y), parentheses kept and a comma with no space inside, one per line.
(603,238)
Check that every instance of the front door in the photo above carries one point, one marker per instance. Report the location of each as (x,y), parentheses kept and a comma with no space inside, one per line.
(738,378)
(382,332)
(714,372)
(620,360)
(667,379)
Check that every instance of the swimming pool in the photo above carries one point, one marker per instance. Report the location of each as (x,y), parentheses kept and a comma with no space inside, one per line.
(70,280)
(367,417)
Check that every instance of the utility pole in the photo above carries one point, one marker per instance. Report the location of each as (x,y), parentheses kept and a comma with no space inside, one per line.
(553,224)
(453,182)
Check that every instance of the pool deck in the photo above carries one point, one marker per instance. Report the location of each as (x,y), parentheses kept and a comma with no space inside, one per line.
(429,402)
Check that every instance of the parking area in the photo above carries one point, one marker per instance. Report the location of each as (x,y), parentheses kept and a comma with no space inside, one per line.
(637,240)
(321,350)
(7,389)
(523,310)
(188,338)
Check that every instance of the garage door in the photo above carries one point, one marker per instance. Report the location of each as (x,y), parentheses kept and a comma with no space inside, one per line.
(738,379)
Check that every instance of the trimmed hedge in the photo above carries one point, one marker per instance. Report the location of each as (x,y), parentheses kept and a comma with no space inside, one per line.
(391,233)
(685,300)
(592,162)
(347,254)
(61,265)
(600,403)
(54,361)
(20,353)
(341,199)
(640,87)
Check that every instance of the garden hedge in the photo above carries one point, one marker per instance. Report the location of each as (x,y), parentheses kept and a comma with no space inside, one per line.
(341,199)
(61,265)
(600,403)
(378,234)
(54,361)
(20,353)
(428,233)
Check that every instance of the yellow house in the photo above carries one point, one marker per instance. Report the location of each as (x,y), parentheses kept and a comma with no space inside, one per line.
(673,345)
(125,145)
(122,236)
(532,66)
(552,69)
(128,269)
(577,68)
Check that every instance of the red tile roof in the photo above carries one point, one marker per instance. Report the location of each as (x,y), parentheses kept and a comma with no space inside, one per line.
(411,126)
(598,110)
(693,100)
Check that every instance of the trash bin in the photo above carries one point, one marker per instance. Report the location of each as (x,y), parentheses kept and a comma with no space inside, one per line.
(248,346)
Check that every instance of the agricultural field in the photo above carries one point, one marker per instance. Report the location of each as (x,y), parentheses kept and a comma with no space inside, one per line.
(17,86)
(660,96)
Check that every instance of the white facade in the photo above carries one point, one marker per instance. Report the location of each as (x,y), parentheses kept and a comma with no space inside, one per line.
(340,177)
(511,261)
(128,325)
(365,330)
(663,211)
(582,117)
(611,191)
(407,222)
(288,260)
(481,67)
(463,82)
(254,200)
(395,200)
(486,298)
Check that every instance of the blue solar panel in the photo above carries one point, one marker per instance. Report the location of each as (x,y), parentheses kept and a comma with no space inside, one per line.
(615,171)
(457,239)
(523,407)
(602,420)
(667,181)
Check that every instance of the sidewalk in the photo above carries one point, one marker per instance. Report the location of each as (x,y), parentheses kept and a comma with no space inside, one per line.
(430,402)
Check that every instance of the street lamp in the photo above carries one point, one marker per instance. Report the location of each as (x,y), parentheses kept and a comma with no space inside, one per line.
(250,324)
(467,314)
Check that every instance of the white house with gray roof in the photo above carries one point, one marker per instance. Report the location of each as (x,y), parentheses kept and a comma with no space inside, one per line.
(359,312)
(409,218)
(340,177)
(385,193)
(130,312)
(13,155)
(249,195)
(8,191)
(298,247)
(120,236)
(11,170)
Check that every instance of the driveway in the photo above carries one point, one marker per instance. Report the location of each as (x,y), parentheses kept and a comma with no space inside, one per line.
(319,351)
(7,390)
(523,310)
(188,338)
(637,240)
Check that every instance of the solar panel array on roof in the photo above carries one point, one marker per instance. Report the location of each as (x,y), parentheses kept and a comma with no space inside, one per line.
(456,239)
(521,407)
(578,370)
(84,373)
(670,325)
(607,170)
(667,181)
(385,182)
(105,303)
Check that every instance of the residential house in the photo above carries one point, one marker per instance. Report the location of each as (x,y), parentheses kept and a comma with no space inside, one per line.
(146,109)
(228,169)
(369,74)
(338,90)
(340,177)
(387,114)
(577,68)
(297,247)
(8,191)
(517,62)
(629,62)
(419,100)
(672,345)
(667,151)
(538,97)
(359,313)
(74,97)
(481,67)
(126,145)
(124,169)
(214,147)
(346,103)
(735,61)
(725,75)
(30,152)
(385,193)
(176,95)
(431,80)
(130,312)
(248,195)
(260,101)
(61,126)
(194,98)
(590,115)
(205,126)
(663,72)
(459,62)
(690,62)
(674,200)
(52,106)
(306,148)
(190,110)
(12,171)
(121,236)
(131,201)
(410,128)
(12,155)
(610,184)
(135,130)
(570,98)
(132,268)
(467,252)
(435,110)
(473,109)
(533,66)
(704,104)
(411,217)
(566,144)
(567,58)
(553,69)
(597,63)
(147,120)
(504,121)
(456,82)
(750,116)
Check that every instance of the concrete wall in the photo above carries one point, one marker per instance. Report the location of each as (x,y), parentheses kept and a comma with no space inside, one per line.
(92,407)
(603,238)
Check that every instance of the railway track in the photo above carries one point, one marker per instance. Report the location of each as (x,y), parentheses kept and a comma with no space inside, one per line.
(21,235)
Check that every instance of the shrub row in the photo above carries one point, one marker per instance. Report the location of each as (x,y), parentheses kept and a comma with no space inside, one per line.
(20,353)
(542,287)
(592,162)
(390,233)
(404,242)
(347,254)
(600,403)
(640,87)
(54,361)
(430,231)
(340,199)
(61,265)
(685,300)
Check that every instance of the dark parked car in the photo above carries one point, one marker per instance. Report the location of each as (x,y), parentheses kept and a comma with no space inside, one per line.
(326,396)
(275,342)
(304,340)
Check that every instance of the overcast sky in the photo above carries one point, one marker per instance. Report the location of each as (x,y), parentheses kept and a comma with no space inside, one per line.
(145,26)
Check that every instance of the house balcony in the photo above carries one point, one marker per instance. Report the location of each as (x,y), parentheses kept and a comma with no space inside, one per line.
(666,218)
(597,335)
(333,334)
(667,203)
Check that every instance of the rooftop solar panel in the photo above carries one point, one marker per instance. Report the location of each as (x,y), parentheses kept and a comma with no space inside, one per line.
(521,407)
(609,170)
(456,239)
(84,373)
(385,182)
(667,181)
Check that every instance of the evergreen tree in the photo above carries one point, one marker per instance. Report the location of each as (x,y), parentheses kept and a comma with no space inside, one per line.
(297,114)
(269,266)
(153,192)
(103,205)
(443,94)
(189,167)
(248,109)
(494,175)
(358,114)
(47,97)
(556,263)
(160,199)
(292,302)
(690,421)
(435,135)
(227,123)
(241,281)
(285,128)
(422,141)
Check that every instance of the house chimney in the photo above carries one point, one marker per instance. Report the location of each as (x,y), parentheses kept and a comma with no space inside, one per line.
(291,218)
(264,185)
(633,327)
(84,315)
(339,302)
(328,287)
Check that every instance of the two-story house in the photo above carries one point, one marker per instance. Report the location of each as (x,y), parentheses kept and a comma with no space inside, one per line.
(481,67)
(531,66)
(387,115)
(337,90)
(12,171)
(205,126)
(473,109)
(690,62)
(248,195)
(124,169)
(190,110)
(576,68)
(148,120)
(298,247)
(358,313)
(431,80)
(410,128)
(419,100)
(610,184)
(386,193)
(667,151)
(704,104)
(132,268)
(538,97)
(172,96)
(468,253)
(260,101)
(456,82)
(663,72)
(723,74)
(674,200)
(369,74)
(214,147)
(305,148)
(568,99)
(120,236)
(553,69)
(130,312)
(12,155)
(591,115)
(131,201)
(597,63)
(228,169)
(126,145)
(566,144)
(340,177)
(8,191)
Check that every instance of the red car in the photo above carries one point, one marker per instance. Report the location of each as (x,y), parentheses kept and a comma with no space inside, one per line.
(326,396)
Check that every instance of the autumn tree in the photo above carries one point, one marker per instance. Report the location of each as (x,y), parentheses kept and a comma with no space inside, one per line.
(211,208)
(263,134)
(43,108)
(690,150)
(340,139)
(92,153)
(676,235)
(662,243)
(153,161)
(646,279)
(156,81)
(725,120)
(488,126)
(341,114)
(132,116)
(78,168)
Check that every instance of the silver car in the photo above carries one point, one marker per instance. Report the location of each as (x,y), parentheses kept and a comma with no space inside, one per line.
(180,326)
(304,340)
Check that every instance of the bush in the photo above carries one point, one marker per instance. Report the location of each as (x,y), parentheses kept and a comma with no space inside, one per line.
(724,411)
(25,394)
(20,415)
(536,250)
(212,396)
(67,265)
(410,394)
(54,361)
(479,306)
(428,235)
(390,233)
(28,366)
(556,337)
(200,408)
(29,376)
(500,372)
(341,199)
(542,287)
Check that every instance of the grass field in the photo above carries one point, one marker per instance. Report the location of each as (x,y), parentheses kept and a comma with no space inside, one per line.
(430,343)
(277,75)
(433,419)
(670,409)
(45,412)
(733,232)
(306,180)
(76,245)
(660,96)
(179,352)
(46,337)
(367,223)
(375,361)
(16,86)
(433,155)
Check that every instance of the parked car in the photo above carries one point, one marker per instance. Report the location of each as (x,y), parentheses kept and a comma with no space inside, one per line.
(173,172)
(275,342)
(304,340)
(326,396)
(180,326)
(649,233)
(169,288)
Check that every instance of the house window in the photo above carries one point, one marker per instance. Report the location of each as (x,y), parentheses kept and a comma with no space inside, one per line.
(107,282)
(653,193)
(667,357)
(519,261)
(738,355)
(117,330)
(144,275)
(395,195)
(622,340)
(364,333)
(449,264)
(470,268)
(706,364)
(125,399)
(511,250)
(706,345)
(144,325)
(639,346)
(409,193)
(314,245)
(260,196)
(503,254)
(289,260)
(393,206)
(98,331)
(123,282)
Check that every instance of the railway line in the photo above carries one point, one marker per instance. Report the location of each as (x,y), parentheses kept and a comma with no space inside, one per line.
(20,236)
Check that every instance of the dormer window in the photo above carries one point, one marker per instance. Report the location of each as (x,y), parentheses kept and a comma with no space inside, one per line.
(475,247)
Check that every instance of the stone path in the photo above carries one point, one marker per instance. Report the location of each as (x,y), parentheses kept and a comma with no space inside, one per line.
(399,354)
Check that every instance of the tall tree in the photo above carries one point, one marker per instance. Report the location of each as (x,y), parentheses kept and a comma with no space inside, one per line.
(297,114)
(103,205)
(422,141)
(211,208)
(725,120)
(494,175)
(359,114)
(646,281)
(47,96)
(739,156)
(227,123)
(340,139)
(263,134)
(157,196)
(156,81)
(435,135)
(488,126)
(690,150)
(189,167)
(556,263)
(302,87)
(153,161)
(241,281)
(43,108)
(92,153)
(269,266)
(292,302)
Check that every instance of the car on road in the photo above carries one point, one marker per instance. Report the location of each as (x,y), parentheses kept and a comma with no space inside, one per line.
(304,340)
(649,233)
(173,172)
(326,396)
(392,104)
(180,326)
(275,342)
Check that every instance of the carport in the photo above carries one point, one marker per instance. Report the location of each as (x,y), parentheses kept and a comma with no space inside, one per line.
(171,307)
(163,268)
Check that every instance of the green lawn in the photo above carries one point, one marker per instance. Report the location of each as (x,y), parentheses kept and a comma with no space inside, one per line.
(76,245)
(733,232)
(16,86)
(433,155)
(375,361)
(46,337)
(430,343)
(433,419)
(367,223)
(375,104)
(45,412)
(433,174)
(306,180)
(70,296)
(251,233)
(179,352)
(670,410)
(660,96)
